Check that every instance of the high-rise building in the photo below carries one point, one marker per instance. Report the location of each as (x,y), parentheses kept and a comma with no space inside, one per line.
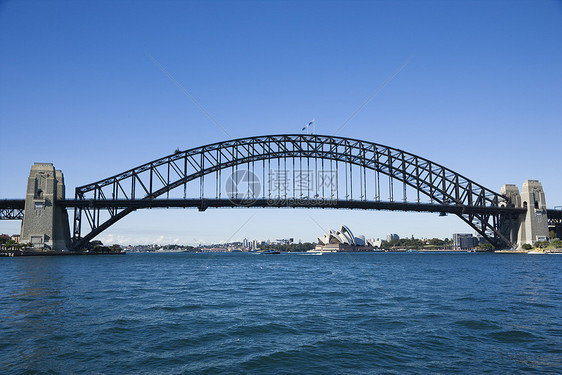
(392,237)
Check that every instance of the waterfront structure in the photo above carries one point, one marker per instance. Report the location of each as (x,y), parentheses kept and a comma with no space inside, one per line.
(362,165)
(375,243)
(342,240)
(464,241)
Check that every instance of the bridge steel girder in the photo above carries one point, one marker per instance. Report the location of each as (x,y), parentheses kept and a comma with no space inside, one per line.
(554,217)
(555,222)
(203,204)
(148,182)
(12,209)
(11,213)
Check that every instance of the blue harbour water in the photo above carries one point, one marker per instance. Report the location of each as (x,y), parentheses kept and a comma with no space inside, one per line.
(396,313)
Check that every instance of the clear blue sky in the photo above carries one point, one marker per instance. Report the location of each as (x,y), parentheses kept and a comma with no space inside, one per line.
(481,94)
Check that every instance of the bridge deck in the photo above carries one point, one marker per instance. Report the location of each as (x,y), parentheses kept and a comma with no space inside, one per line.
(304,203)
(12,204)
(203,204)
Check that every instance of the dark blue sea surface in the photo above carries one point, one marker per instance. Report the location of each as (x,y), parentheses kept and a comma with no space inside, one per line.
(395,313)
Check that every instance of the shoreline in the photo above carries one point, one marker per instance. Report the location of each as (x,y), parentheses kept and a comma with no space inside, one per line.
(20,253)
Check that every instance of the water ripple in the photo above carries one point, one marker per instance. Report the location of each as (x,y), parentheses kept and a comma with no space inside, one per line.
(240,313)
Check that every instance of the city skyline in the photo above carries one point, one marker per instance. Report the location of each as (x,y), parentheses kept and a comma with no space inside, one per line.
(97,89)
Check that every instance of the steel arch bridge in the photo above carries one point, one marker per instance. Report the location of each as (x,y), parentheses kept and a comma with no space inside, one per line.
(326,171)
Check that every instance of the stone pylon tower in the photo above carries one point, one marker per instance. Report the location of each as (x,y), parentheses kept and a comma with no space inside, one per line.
(534,226)
(44,224)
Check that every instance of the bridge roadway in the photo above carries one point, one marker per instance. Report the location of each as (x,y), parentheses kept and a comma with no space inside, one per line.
(203,204)
(12,204)
(17,205)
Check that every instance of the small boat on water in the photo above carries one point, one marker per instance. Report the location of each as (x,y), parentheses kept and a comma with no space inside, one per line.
(270,252)
(537,251)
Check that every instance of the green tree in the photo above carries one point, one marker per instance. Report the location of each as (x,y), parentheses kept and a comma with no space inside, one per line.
(487,246)
(542,244)
(526,246)
(436,242)
(115,248)
(557,244)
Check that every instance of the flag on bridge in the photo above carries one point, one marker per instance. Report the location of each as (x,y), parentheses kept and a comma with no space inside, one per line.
(307,125)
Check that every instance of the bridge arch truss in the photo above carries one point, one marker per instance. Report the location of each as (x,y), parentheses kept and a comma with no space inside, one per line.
(359,167)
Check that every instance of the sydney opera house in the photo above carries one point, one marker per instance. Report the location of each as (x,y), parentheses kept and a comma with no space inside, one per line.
(343,240)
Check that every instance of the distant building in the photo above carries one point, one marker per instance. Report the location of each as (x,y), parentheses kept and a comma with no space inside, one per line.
(284,241)
(464,241)
(479,238)
(375,243)
(245,243)
(392,237)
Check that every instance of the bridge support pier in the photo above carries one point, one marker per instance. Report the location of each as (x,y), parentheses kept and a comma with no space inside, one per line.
(533,225)
(44,224)
(511,224)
